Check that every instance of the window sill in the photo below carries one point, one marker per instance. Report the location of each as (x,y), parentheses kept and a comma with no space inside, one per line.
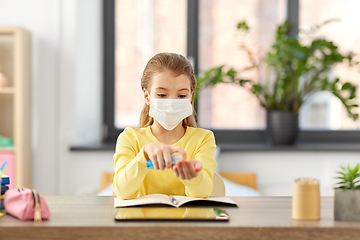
(94,147)
(297,147)
(246,147)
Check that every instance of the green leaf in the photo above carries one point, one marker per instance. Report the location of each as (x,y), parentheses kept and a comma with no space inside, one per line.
(356,170)
(351,88)
(294,70)
(257,89)
(243,26)
(343,177)
(243,81)
(350,178)
(231,73)
(353,106)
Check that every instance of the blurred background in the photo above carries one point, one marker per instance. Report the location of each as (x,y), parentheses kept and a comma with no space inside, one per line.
(144,28)
(68,97)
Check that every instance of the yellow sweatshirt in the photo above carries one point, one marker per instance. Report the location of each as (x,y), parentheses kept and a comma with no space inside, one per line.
(132,178)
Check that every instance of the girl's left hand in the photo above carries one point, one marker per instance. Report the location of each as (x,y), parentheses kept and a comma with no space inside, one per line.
(186,170)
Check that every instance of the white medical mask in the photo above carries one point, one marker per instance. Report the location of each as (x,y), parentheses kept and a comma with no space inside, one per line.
(169,112)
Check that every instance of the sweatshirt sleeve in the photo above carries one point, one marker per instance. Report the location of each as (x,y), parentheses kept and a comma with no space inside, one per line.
(202,185)
(129,165)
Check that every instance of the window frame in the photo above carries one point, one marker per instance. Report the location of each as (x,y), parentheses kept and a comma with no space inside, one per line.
(223,136)
(110,133)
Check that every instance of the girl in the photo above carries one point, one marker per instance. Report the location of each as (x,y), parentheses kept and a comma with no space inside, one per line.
(167,126)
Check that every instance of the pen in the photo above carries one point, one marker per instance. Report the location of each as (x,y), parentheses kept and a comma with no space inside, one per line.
(173,200)
(2,168)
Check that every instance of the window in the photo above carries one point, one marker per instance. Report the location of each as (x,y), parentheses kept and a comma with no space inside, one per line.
(134,31)
(142,29)
(226,106)
(325,111)
(205,32)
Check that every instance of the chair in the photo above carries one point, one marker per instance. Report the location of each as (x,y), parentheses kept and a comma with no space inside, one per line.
(218,186)
(247,179)
(244,178)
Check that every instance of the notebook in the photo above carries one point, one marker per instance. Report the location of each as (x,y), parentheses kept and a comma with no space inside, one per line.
(171,214)
(174,201)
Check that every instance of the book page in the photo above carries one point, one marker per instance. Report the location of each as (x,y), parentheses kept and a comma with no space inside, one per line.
(184,199)
(144,200)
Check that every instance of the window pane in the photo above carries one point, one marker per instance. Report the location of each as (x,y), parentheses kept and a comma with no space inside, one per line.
(227,106)
(143,28)
(325,111)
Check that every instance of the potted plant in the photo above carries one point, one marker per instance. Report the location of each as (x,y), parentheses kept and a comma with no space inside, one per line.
(294,72)
(347,194)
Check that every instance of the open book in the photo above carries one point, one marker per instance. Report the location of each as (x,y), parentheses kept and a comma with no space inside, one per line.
(175,201)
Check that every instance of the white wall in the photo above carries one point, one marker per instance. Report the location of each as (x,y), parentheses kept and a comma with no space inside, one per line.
(66,90)
(276,171)
(66,95)
(42,18)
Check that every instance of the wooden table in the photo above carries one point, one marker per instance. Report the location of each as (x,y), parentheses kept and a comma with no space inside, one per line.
(80,217)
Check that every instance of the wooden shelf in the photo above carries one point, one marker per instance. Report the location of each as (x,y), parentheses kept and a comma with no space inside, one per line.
(15,102)
(7,149)
(7,90)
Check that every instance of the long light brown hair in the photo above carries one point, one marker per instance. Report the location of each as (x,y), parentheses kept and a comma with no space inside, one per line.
(162,62)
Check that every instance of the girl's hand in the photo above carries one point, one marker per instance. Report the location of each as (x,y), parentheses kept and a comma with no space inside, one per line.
(187,170)
(157,152)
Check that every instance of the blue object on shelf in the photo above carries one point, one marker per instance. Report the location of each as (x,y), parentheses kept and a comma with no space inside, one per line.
(5,180)
(174,158)
(4,189)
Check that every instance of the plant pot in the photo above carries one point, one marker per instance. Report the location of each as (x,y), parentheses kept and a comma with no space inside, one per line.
(347,205)
(282,127)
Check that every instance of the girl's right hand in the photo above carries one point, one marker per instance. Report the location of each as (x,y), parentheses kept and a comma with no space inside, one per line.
(157,152)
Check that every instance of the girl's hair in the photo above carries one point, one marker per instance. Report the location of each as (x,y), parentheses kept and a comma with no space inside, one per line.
(162,62)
